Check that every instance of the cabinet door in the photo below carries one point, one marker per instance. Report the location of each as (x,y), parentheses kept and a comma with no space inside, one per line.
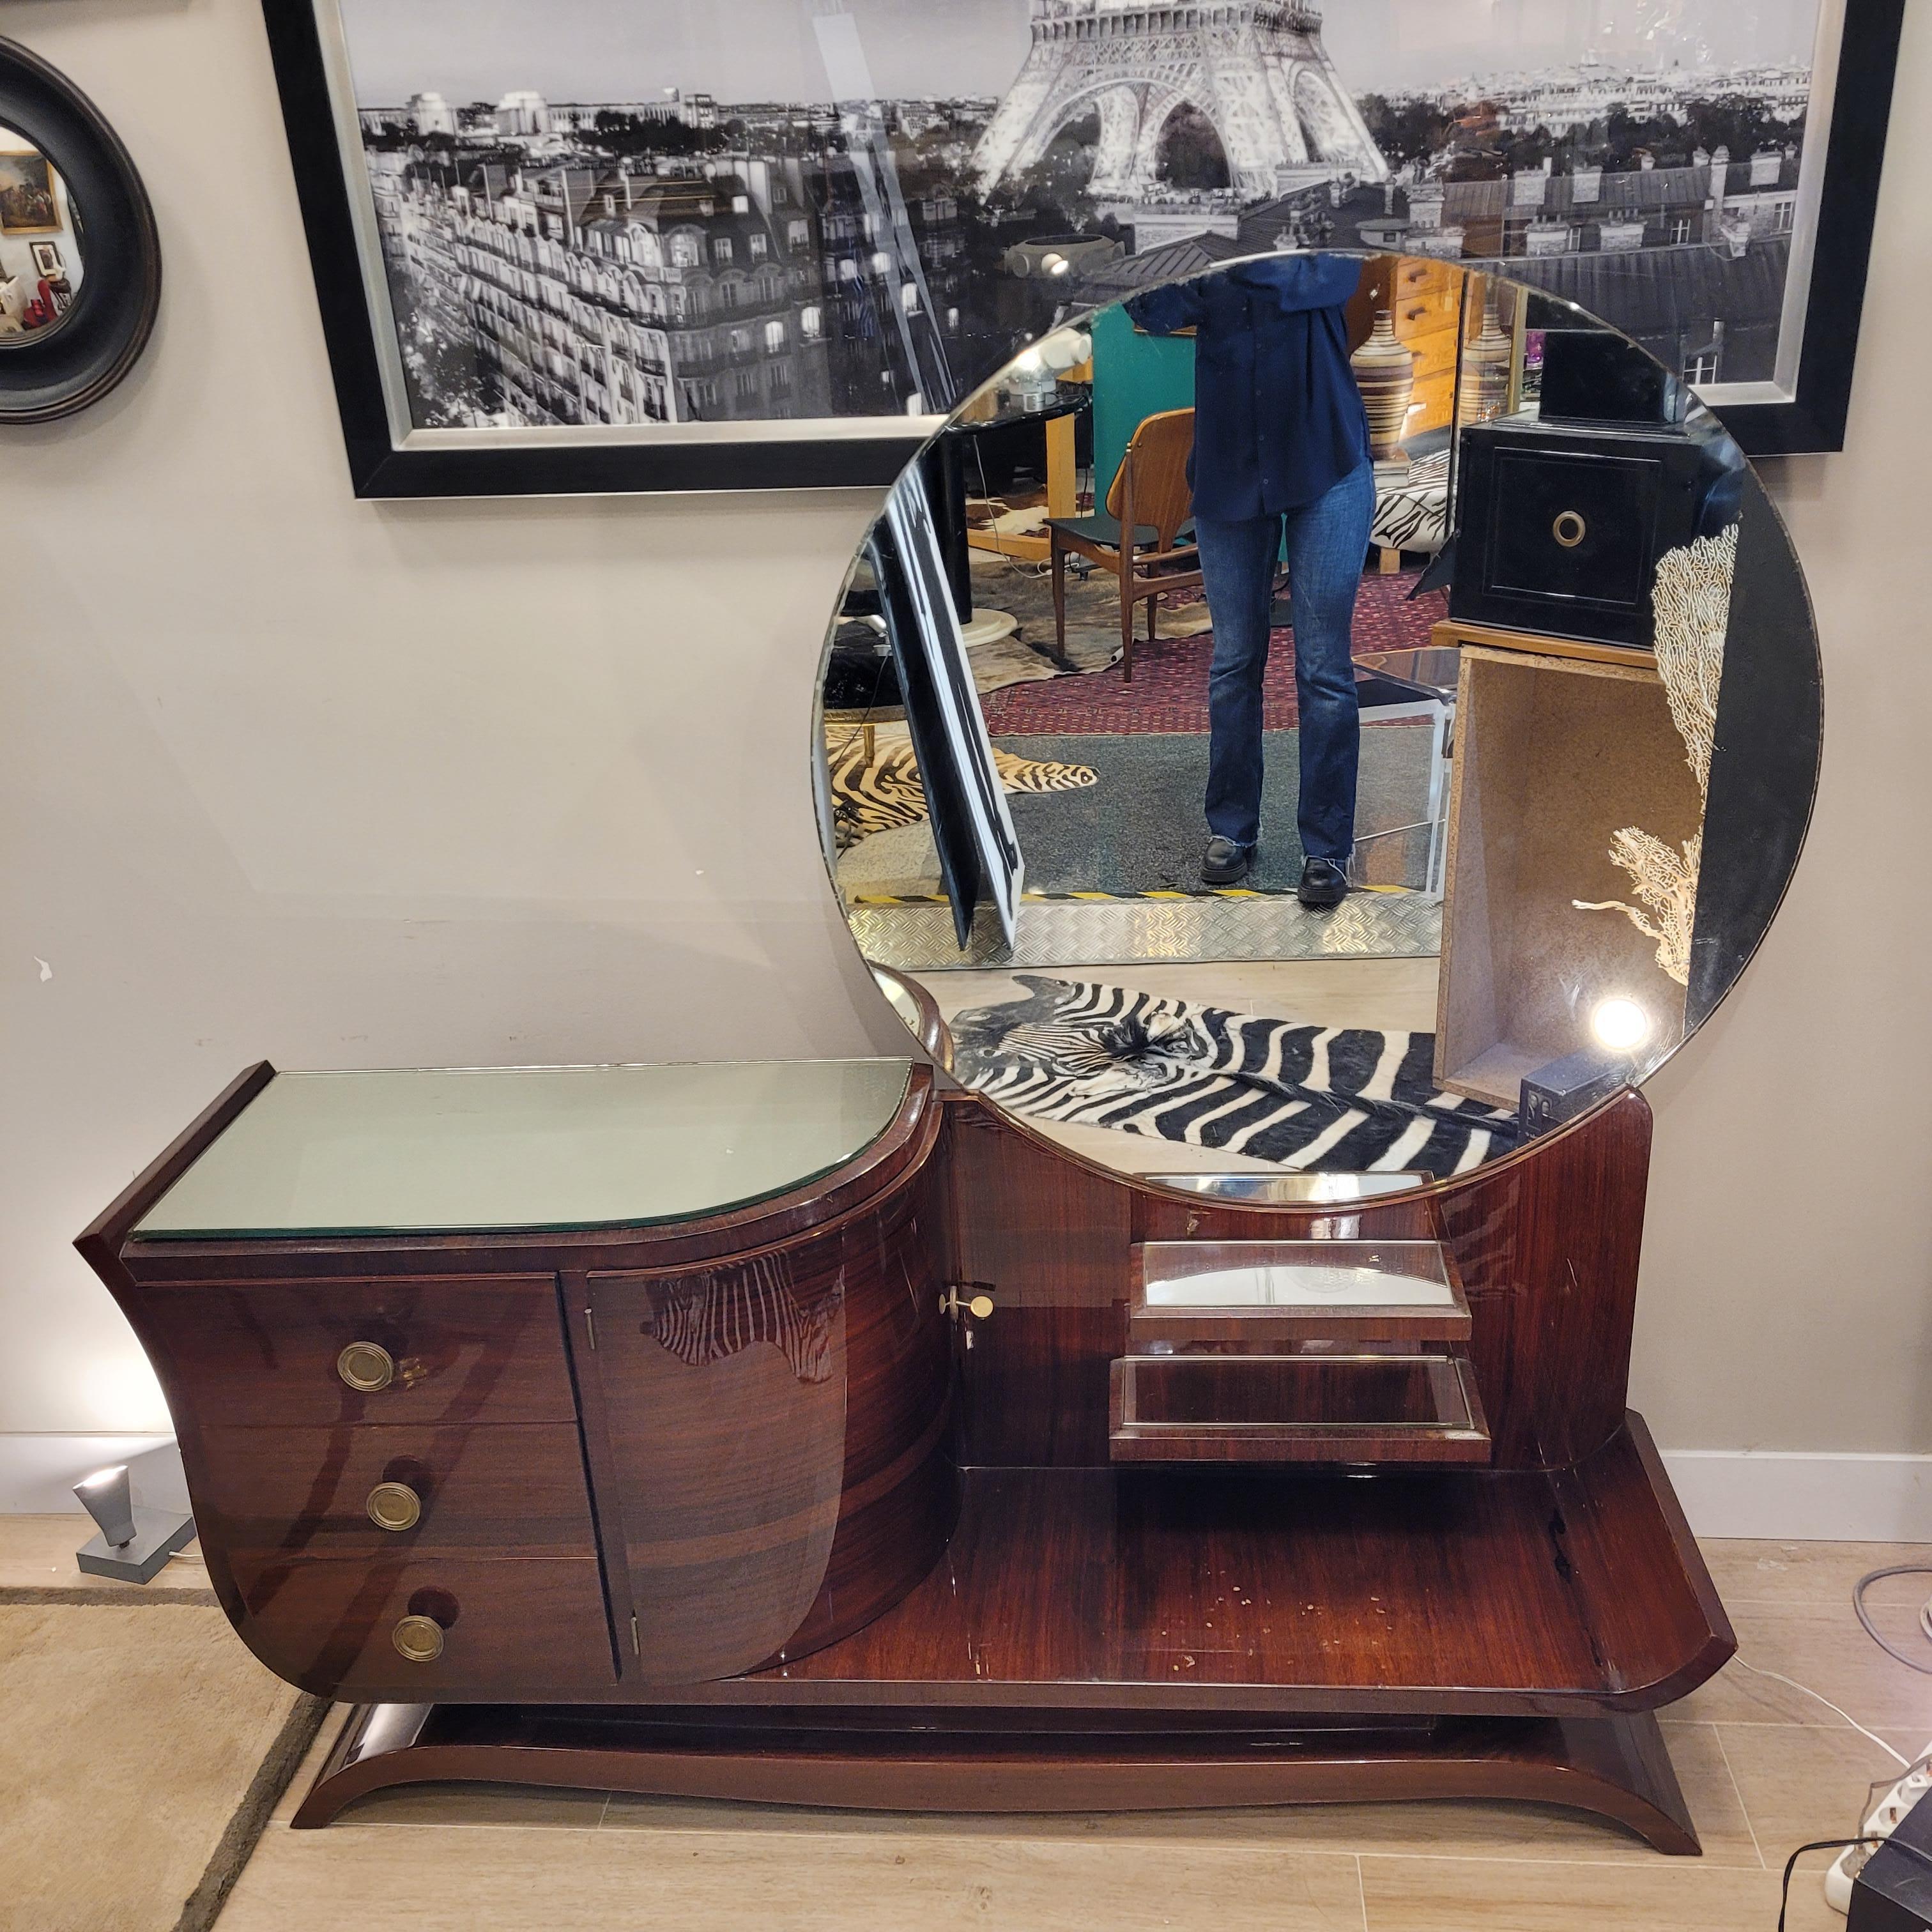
(724,1395)
(772,1462)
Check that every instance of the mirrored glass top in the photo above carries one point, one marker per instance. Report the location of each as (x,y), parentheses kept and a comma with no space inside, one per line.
(1266,1275)
(475,1150)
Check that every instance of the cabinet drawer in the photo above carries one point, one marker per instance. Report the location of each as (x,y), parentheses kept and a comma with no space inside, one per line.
(375,1490)
(1435,353)
(1309,1408)
(1412,276)
(499,1628)
(1423,313)
(435,1350)
(1435,397)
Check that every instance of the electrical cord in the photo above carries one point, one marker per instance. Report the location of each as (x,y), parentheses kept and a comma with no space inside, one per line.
(1778,1677)
(1873,1839)
(1791,1866)
(1017,565)
(1859,1590)
(832,751)
(1837,1845)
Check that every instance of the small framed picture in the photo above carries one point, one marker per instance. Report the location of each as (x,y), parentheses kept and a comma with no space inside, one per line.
(47,259)
(27,204)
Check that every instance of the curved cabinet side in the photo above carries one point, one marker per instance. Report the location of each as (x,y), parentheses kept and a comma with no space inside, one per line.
(774,1470)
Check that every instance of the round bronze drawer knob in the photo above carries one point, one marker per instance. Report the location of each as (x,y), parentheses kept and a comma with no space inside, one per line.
(394,1506)
(366,1367)
(419,1639)
(1569,528)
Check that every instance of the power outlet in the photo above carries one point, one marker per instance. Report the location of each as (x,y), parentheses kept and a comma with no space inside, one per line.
(1882,1821)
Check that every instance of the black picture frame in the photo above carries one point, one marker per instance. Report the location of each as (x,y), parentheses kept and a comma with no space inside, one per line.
(76,360)
(1812,420)
(378,468)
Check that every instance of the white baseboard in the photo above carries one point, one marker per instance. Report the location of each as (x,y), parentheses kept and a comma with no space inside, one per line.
(1782,1495)
(37,1473)
(1793,1496)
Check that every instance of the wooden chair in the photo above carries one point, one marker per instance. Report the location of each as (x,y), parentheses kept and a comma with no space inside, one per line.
(1150,497)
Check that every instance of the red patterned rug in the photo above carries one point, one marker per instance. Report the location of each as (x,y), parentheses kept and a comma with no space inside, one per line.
(1169,692)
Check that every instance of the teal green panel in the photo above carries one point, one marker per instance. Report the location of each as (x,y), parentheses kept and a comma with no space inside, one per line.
(1135,376)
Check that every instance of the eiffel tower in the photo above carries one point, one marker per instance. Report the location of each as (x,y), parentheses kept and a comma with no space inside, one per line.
(1256,69)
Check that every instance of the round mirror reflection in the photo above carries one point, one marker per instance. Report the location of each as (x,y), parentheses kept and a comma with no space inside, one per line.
(40,243)
(1331,718)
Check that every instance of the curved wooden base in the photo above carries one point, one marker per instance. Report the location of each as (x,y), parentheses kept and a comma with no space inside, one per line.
(1615,1766)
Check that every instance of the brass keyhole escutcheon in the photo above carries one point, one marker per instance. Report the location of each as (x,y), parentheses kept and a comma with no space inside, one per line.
(366,1367)
(419,1639)
(394,1506)
(1569,528)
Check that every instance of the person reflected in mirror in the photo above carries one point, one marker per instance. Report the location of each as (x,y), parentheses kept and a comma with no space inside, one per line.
(1280,468)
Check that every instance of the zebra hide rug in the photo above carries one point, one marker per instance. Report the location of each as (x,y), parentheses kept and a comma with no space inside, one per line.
(886,792)
(1343,1098)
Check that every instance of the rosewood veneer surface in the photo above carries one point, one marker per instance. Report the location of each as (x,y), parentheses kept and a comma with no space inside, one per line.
(869,1552)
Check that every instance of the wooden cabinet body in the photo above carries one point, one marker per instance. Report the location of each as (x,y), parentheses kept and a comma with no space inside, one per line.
(597,1462)
(818,1501)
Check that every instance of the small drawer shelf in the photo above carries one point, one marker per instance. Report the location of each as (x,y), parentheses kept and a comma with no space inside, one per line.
(1259,1293)
(1310,1408)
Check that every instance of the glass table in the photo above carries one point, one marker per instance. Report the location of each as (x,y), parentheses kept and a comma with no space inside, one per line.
(476,1150)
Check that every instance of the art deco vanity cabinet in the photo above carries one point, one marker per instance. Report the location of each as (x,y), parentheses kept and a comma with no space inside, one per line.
(828,1433)
(807,1432)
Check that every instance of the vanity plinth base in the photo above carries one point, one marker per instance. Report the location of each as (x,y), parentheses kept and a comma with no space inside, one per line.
(1615,1767)
(1101,1640)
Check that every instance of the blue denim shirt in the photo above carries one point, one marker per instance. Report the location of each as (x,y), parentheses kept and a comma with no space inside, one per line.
(1278,420)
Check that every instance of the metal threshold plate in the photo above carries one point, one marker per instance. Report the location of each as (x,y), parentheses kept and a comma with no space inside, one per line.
(918,936)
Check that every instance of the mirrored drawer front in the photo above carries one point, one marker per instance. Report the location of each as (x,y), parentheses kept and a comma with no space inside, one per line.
(366,1490)
(414,1350)
(1255,1292)
(1297,1409)
(410,1629)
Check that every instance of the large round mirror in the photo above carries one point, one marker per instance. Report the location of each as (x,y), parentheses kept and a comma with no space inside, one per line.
(1320,724)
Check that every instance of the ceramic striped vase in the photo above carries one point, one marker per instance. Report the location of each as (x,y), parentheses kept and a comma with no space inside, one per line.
(1385,374)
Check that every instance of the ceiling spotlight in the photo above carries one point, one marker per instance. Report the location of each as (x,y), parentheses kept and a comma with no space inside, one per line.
(1620,1025)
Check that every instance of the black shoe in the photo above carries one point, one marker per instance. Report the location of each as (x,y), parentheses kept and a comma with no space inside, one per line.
(1224,862)
(1324,884)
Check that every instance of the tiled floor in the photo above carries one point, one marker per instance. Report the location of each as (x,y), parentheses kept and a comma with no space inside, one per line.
(1764,1767)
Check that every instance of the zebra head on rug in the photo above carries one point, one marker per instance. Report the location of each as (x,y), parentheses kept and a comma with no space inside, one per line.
(1346,1099)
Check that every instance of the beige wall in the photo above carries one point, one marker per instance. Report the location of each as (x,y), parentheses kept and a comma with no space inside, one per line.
(282,774)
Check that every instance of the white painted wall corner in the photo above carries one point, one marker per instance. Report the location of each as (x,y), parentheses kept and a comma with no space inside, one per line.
(1800,1496)
(37,1473)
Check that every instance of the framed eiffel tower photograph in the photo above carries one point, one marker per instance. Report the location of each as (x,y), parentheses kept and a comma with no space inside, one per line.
(635,245)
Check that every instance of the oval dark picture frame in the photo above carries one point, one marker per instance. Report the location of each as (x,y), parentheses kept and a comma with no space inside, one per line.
(100,338)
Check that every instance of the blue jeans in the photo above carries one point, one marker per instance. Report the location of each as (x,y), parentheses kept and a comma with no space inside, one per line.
(1327,540)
